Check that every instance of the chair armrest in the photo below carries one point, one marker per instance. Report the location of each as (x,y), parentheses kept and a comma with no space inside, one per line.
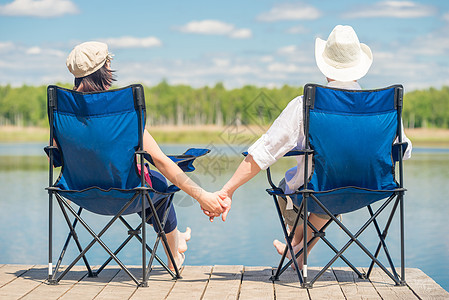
(289,153)
(57,158)
(185,160)
(395,150)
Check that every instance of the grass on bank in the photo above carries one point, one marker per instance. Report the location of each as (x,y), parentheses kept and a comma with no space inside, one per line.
(212,135)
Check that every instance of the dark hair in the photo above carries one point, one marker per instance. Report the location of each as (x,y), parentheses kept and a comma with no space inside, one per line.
(100,80)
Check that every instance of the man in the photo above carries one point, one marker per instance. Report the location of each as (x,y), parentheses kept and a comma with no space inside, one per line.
(343,60)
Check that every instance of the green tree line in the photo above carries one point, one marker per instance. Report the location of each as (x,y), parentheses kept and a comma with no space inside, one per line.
(185,105)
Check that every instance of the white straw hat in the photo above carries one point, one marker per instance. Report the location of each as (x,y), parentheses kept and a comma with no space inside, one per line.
(342,57)
(87,58)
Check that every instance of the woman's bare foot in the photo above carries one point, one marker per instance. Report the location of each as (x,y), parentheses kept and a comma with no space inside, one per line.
(280,247)
(183,238)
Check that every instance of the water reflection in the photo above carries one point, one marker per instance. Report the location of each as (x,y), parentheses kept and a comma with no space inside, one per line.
(246,238)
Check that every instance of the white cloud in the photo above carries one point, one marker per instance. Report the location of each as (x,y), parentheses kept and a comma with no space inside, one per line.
(267,58)
(241,70)
(6,46)
(293,11)
(133,42)
(39,8)
(220,62)
(297,55)
(35,50)
(297,30)
(287,50)
(215,27)
(33,65)
(244,33)
(212,27)
(446,17)
(283,68)
(393,9)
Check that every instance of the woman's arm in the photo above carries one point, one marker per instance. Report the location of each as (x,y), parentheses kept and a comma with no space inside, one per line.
(208,201)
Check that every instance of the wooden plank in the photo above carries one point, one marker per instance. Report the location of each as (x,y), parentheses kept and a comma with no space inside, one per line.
(424,286)
(90,287)
(353,287)
(326,287)
(219,282)
(288,287)
(121,286)
(386,288)
(46,291)
(193,283)
(256,283)
(24,284)
(9,273)
(160,284)
(224,283)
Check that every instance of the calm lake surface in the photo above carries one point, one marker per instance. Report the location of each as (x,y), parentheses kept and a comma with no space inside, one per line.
(246,237)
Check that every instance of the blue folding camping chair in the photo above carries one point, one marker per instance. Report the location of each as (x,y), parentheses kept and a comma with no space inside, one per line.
(97,140)
(350,138)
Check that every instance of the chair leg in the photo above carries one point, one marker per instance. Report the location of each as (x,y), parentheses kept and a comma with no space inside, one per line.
(51,275)
(321,235)
(159,260)
(289,245)
(384,234)
(131,232)
(353,238)
(144,282)
(162,235)
(164,220)
(97,238)
(72,233)
(305,198)
(401,216)
(382,237)
(148,268)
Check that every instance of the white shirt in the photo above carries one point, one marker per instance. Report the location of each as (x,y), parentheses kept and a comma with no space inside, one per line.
(287,133)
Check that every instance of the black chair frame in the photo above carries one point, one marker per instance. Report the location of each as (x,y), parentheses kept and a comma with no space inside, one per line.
(397,198)
(141,192)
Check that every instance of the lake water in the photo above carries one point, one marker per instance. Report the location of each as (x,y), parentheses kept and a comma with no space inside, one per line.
(246,237)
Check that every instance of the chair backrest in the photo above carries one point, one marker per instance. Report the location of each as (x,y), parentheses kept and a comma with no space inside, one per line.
(97,135)
(352,134)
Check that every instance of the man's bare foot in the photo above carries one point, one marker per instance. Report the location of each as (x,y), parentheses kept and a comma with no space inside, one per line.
(179,261)
(183,238)
(280,247)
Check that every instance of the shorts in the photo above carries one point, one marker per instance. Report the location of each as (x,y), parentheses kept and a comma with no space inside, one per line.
(291,214)
(159,183)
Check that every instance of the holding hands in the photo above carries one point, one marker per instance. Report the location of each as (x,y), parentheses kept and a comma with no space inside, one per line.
(213,204)
(225,202)
(247,169)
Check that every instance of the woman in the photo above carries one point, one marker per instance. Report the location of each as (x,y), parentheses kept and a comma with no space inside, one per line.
(90,63)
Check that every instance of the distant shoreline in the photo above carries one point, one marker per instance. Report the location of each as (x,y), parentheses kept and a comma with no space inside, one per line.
(207,134)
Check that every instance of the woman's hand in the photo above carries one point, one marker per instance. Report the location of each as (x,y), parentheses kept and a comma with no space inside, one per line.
(225,201)
(211,203)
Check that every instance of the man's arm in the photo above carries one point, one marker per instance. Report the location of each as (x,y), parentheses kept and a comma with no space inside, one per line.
(247,169)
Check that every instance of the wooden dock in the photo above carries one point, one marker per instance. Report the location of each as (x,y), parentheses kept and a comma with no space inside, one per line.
(212,282)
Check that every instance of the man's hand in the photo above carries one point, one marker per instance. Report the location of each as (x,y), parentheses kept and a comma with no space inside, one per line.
(225,202)
(212,204)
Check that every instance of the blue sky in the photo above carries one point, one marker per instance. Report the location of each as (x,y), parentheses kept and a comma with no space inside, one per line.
(266,43)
